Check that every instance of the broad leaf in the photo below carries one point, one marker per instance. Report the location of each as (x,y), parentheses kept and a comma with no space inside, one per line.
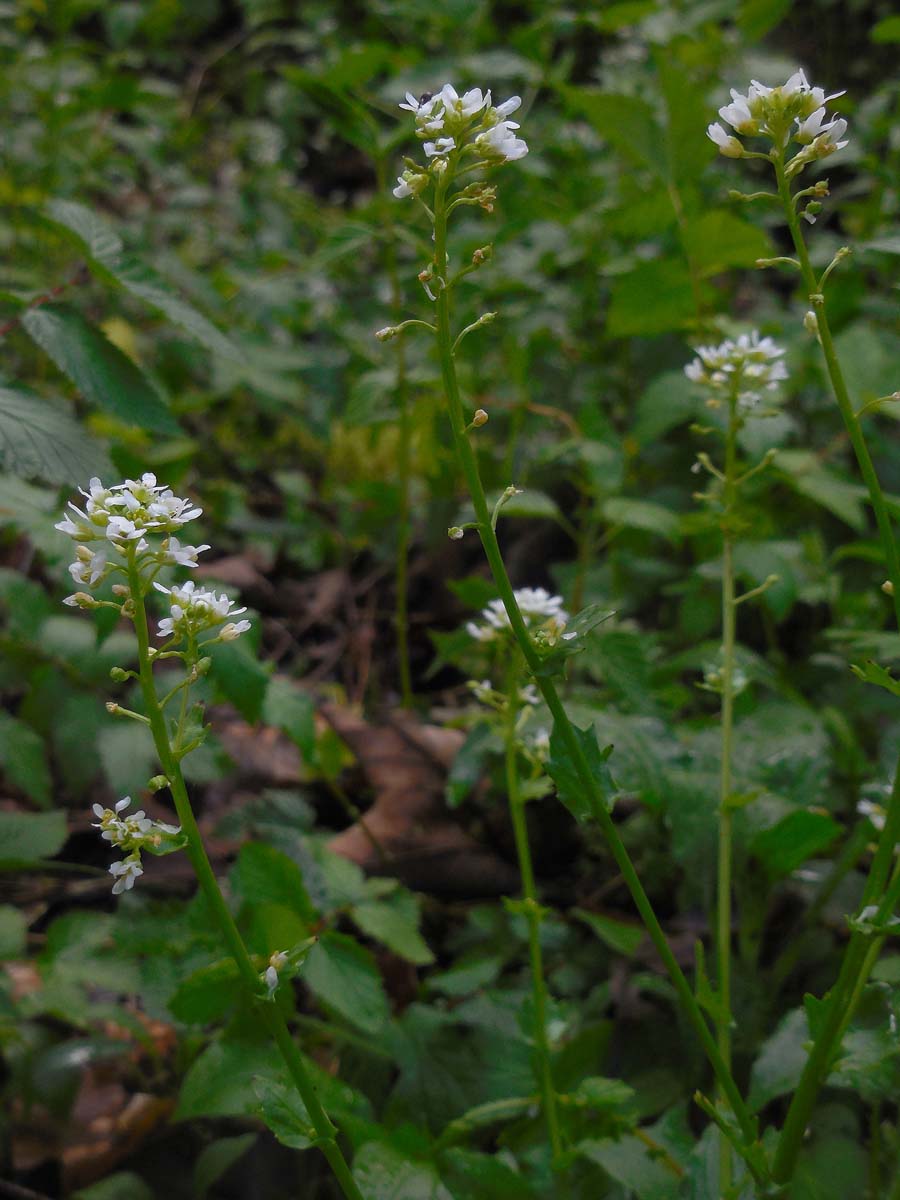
(343,976)
(40,439)
(573,791)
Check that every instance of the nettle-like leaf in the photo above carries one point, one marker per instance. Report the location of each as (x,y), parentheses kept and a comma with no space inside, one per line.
(39,439)
(101,372)
(107,258)
(562,769)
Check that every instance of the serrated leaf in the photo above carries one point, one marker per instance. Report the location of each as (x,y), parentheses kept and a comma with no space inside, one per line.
(386,1173)
(26,837)
(642,514)
(221,1081)
(880,676)
(39,439)
(104,250)
(343,976)
(283,1111)
(781,1060)
(23,760)
(562,768)
(395,923)
(101,372)
(617,935)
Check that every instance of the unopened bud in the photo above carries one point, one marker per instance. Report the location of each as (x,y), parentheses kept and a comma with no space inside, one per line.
(811,323)
(157,783)
(83,554)
(482,255)
(455,532)
(112,708)
(389,331)
(731,147)
(820,189)
(480,418)
(120,589)
(118,674)
(887,587)
(425,275)
(81,600)
(204,664)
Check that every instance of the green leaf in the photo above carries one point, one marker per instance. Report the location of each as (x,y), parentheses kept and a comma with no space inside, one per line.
(719,240)
(886,30)
(642,514)
(832,1168)
(208,994)
(352,120)
(283,1111)
(469,763)
(668,401)
(124,1185)
(483,1116)
(221,1081)
(805,474)
(628,123)
(795,838)
(104,250)
(13,931)
(216,1158)
(759,17)
(23,760)
(38,438)
(880,676)
(633,1164)
(263,875)
(617,935)
(653,297)
(128,756)
(289,708)
(395,923)
(343,976)
(240,677)
(101,372)
(562,769)
(604,1094)
(386,1173)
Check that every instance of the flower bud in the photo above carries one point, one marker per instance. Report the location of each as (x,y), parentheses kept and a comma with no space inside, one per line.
(455,533)
(482,255)
(811,323)
(204,664)
(385,335)
(480,418)
(157,783)
(118,674)
(888,587)
(81,600)
(112,708)
(120,589)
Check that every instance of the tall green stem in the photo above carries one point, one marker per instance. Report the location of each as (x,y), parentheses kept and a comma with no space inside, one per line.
(268,1013)
(596,801)
(861,952)
(723,889)
(533,917)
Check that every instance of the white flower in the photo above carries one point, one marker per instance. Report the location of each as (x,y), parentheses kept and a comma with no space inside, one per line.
(402,190)
(194,609)
(126,512)
(507,107)
(529,694)
(182,556)
(538,609)
(728,145)
(772,111)
(88,568)
(501,142)
(442,146)
(126,872)
(746,367)
(233,630)
(875,813)
(540,743)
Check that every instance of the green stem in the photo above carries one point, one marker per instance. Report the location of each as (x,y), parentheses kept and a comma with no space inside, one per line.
(858,958)
(723,883)
(469,465)
(533,916)
(268,1013)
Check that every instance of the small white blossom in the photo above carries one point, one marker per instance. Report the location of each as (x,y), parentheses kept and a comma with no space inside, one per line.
(182,556)
(728,145)
(538,608)
(125,873)
(748,366)
(795,109)
(233,630)
(529,694)
(875,813)
(501,142)
(442,146)
(126,511)
(193,610)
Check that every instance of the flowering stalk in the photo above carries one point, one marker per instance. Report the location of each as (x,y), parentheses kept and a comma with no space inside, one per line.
(532,910)
(495,143)
(736,373)
(796,112)
(123,520)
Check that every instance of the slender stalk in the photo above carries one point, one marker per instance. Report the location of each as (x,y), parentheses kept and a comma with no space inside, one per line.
(469,465)
(533,917)
(859,957)
(268,1012)
(723,883)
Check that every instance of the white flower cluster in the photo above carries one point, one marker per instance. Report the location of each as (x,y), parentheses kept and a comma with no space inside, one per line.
(131,834)
(483,691)
(120,517)
(540,611)
(792,110)
(193,610)
(745,368)
(449,124)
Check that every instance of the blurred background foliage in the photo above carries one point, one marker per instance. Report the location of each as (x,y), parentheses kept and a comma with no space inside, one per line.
(199,241)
